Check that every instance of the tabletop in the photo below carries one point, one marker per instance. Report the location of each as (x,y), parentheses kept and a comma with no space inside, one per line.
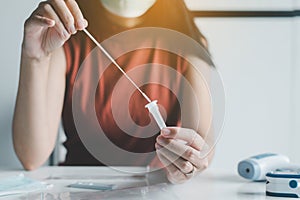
(134,183)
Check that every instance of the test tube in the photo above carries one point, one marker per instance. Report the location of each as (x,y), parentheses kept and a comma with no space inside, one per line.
(153,109)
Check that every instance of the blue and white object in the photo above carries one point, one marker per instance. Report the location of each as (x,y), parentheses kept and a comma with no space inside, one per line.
(255,168)
(283,183)
(93,186)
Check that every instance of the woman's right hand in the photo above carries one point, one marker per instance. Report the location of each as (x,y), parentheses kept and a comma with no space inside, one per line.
(50,26)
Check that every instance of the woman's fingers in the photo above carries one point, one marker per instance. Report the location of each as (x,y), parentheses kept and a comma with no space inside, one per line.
(191,137)
(173,173)
(64,15)
(42,21)
(48,11)
(37,22)
(181,150)
(179,167)
(182,164)
(80,22)
(50,26)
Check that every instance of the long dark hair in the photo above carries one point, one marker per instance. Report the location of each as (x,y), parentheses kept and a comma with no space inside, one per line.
(173,14)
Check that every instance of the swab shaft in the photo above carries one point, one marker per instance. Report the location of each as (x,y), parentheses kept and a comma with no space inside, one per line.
(116,64)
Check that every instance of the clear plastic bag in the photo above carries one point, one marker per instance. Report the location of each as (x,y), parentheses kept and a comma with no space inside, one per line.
(19,185)
(159,191)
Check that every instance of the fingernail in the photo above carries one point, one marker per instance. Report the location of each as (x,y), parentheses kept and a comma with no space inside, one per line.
(80,24)
(85,22)
(51,23)
(72,29)
(166,131)
(158,139)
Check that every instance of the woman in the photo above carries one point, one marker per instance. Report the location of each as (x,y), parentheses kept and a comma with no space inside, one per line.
(53,49)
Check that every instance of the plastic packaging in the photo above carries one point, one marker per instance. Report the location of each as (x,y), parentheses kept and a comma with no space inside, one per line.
(20,184)
(159,191)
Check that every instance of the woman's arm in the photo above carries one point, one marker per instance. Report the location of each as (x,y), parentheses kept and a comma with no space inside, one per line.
(42,79)
(38,108)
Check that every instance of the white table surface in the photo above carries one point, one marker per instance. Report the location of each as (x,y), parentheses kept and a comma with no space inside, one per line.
(211,184)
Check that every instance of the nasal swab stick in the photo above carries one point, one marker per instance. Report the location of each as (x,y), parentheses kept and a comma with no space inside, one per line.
(152,105)
(116,64)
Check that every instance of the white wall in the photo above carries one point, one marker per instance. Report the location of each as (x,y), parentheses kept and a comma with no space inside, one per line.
(296,92)
(12,15)
(269,5)
(256,59)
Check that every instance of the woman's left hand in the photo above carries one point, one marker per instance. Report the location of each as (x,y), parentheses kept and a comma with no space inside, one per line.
(179,150)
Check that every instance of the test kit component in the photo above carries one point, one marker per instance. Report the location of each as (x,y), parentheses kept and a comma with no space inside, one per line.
(93,186)
(256,167)
(154,110)
(283,183)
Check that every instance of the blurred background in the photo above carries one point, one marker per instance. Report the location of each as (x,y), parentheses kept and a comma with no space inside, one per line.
(256,47)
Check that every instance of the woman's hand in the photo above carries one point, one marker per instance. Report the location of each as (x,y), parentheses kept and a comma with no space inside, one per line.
(50,26)
(179,150)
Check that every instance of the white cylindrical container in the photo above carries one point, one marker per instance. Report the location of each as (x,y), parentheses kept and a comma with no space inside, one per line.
(256,167)
(153,109)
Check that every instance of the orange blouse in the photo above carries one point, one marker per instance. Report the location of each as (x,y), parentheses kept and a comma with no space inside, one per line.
(102,24)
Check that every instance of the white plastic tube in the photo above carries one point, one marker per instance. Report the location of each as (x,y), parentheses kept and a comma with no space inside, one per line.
(153,109)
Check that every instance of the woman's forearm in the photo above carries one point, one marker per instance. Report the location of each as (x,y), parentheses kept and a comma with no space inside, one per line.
(32,141)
